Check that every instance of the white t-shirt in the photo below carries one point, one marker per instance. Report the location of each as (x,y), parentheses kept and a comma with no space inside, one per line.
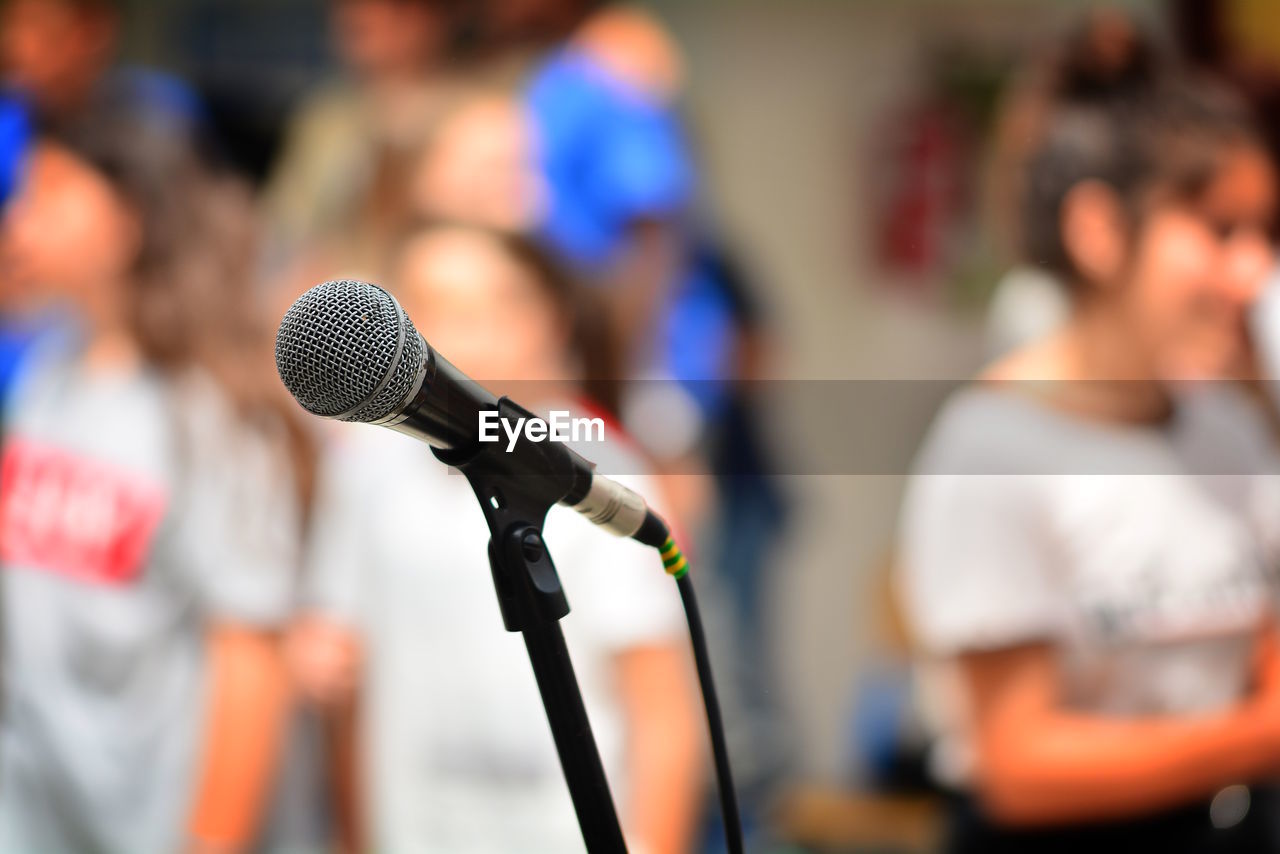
(460,756)
(1145,555)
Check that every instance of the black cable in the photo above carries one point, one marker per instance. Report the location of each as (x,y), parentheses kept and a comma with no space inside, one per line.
(654,532)
(719,749)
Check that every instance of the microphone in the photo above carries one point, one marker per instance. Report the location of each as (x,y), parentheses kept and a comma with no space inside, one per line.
(346,350)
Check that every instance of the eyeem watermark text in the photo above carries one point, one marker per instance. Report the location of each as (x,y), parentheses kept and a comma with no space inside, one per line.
(561,427)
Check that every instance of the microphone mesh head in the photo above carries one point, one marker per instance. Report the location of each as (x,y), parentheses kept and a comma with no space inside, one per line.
(338,351)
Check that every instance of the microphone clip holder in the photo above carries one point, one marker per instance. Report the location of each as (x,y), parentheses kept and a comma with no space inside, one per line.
(515,503)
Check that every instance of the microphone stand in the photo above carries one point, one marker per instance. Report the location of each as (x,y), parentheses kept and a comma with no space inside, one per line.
(533,603)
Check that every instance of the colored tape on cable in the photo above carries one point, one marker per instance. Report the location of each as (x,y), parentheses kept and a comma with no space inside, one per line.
(673,559)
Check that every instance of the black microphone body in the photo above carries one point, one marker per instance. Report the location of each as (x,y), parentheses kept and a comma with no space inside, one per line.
(445,408)
(347,350)
(445,413)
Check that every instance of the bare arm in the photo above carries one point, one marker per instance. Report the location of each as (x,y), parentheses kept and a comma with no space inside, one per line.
(245,719)
(664,748)
(1041,764)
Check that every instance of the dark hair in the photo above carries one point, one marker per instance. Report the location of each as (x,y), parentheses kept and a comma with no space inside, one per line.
(87,7)
(590,340)
(1119,113)
(580,306)
(448,8)
(192,300)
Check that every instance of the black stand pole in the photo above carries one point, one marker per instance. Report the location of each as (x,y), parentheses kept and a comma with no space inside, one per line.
(532,603)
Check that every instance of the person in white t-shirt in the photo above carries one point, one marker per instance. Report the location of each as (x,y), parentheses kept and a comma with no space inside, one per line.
(455,750)
(1090,540)
(149,519)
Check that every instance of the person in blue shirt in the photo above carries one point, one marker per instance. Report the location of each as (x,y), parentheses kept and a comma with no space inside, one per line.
(621,208)
(15,135)
(60,70)
(61,55)
(620,179)
(59,60)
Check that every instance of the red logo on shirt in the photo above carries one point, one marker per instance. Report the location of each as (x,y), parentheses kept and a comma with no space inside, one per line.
(74,515)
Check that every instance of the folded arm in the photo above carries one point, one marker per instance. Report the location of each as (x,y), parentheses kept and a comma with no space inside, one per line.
(1039,763)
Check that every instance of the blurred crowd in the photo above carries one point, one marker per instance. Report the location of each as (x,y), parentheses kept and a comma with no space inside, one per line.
(227,626)
(223,626)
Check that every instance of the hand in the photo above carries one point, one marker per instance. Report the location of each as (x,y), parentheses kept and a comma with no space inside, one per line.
(1266,667)
(1261,711)
(324,659)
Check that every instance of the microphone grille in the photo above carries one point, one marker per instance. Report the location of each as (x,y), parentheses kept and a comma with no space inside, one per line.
(339,352)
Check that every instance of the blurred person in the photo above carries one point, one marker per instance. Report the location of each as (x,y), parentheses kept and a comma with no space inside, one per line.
(622,206)
(57,61)
(480,167)
(148,510)
(619,176)
(342,174)
(752,508)
(1089,546)
(619,194)
(455,748)
(62,55)
(485,163)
